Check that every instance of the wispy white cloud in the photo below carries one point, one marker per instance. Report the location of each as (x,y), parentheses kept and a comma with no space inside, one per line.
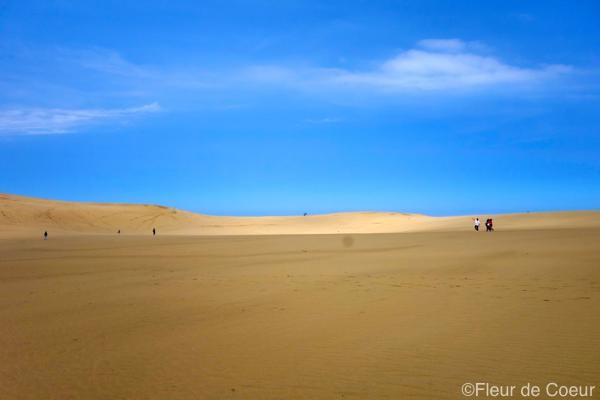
(426,70)
(104,61)
(435,65)
(34,121)
(72,76)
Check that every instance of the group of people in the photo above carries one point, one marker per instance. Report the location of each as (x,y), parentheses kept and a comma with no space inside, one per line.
(153,232)
(489,224)
(118,232)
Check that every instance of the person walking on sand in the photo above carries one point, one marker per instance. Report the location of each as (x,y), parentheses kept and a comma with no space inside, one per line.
(489,225)
(45,235)
(153,231)
(476,224)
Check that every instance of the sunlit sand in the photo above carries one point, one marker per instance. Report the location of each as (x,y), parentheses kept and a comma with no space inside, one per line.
(352,305)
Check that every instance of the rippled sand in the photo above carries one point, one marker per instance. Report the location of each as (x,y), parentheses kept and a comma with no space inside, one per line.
(405,315)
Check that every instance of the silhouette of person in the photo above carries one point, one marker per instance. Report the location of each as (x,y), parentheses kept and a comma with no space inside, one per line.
(153,231)
(45,235)
(119,231)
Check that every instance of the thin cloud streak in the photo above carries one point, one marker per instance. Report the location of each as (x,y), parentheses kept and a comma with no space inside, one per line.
(37,121)
(104,61)
(418,70)
(435,64)
(438,65)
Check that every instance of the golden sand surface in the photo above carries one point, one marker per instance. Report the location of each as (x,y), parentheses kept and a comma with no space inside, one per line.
(402,315)
(30,217)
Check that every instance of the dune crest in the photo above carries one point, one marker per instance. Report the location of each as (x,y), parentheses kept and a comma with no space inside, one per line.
(29,216)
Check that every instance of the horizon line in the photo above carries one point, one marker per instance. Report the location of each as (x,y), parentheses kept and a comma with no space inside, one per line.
(363,211)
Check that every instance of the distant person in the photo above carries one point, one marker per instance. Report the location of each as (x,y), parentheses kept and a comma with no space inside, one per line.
(305,214)
(476,224)
(45,235)
(489,225)
(153,231)
(119,231)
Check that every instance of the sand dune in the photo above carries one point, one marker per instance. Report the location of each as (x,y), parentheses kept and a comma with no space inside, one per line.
(29,216)
(92,315)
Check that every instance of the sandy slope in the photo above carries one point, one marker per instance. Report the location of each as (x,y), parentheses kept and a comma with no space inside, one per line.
(25,216)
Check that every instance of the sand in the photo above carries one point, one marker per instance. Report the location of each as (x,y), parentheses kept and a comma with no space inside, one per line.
(89,314)
(30,217)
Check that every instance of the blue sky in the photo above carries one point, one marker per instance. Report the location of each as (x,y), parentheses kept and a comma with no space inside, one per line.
(285,107)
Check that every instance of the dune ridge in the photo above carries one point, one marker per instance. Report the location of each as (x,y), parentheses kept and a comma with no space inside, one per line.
(21,215)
